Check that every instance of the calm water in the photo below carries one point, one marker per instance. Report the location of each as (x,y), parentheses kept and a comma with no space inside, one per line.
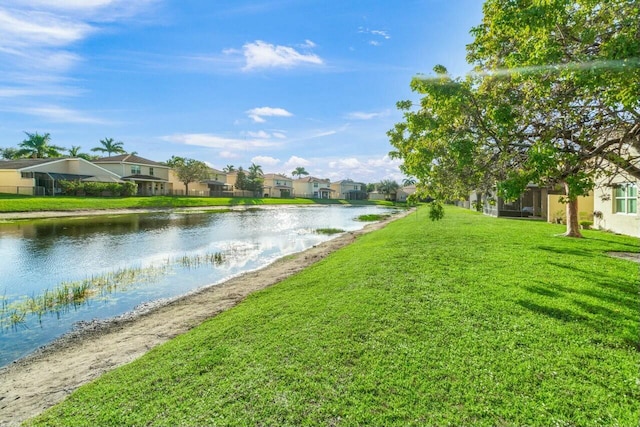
(165,255)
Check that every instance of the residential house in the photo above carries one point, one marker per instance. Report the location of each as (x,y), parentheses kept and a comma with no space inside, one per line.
(531,203)
(615,205)
(215,185)
(349,190)
(313,188)
(43,176)
(404,192)
(277,185)
(152,177)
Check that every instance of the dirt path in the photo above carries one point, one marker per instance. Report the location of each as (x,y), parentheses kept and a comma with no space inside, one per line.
(39,381)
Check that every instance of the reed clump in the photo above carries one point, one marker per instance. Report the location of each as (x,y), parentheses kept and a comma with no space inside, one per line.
(74,294)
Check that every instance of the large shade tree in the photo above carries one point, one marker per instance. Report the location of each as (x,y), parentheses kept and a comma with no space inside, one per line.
(554,100)
(38,146)
(188,170)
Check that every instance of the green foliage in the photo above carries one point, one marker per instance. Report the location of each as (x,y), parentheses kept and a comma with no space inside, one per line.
(420,323)
(554,99)
(436,211)
(299,171)
(38,146)
(109,146)
(97,189)
(188,170)
(329,231)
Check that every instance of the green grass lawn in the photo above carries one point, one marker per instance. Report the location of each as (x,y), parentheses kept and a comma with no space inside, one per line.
(470,320)
(16,203)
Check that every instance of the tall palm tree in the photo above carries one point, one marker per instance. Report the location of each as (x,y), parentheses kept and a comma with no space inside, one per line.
(408,181)
(108,146)
(229,169)
(300,171)
(255,169)
(38,147)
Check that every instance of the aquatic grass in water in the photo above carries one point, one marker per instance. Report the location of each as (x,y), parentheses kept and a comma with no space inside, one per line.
(329,231)
(372,217)
(75,294)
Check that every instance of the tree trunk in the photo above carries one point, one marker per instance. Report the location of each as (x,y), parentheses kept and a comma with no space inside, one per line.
(573,226)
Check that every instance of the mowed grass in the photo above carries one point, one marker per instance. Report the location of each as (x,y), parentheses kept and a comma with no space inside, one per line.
(471,320)
(16,203)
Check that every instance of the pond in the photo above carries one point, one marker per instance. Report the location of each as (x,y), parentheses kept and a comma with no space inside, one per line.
(58,272)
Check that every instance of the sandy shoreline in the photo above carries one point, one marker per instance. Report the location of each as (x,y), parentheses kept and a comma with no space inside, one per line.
(44,378)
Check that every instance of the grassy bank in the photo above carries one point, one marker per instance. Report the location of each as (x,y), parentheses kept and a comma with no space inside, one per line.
(467,321)
(15,203)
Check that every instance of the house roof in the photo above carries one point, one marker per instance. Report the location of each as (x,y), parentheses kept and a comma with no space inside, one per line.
(129,158)
(312,179)
(276,176)
(24,163)
(348,181)
(139,177)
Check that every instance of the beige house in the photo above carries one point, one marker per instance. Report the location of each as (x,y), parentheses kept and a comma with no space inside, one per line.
(615,206)
(277,185)
(43,176)
(404,192)
(214,186)
(349,190)
(152,177)
(313,188)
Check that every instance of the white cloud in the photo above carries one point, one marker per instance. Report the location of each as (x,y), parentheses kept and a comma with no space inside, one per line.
(379,34)
(260,54)
(259,134)
(258,114)
(230,146)
(372,169)
(58,114)
(295,161)
(265,161)
(37,29)
(359,115)
(228,155)
(279,135)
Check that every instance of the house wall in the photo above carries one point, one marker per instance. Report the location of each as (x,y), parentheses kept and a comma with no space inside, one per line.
(11,181)
(604,202)
(195,188)
(308,189)
(556,210)
(124,169)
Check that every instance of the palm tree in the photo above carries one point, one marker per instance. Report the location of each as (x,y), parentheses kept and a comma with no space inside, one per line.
(408,181)
(388,187)
(37,146)
(299,171)
(229,169)
(108,146)
(74,150)
(255,169)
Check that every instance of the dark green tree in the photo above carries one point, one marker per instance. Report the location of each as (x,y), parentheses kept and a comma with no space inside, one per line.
(38,146)
(109,146)
(188,170)
(554,100)
(299,171)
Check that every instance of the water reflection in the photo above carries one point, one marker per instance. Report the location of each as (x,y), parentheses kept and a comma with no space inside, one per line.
(36,257)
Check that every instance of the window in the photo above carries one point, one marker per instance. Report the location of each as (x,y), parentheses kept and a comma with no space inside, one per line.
(135,170)
(315,185)
(151,171)
(626,198)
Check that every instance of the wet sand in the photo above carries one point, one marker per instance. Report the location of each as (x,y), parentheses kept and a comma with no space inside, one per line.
(46,377)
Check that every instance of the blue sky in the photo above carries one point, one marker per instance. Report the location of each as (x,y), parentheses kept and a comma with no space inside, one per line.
(282,83)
